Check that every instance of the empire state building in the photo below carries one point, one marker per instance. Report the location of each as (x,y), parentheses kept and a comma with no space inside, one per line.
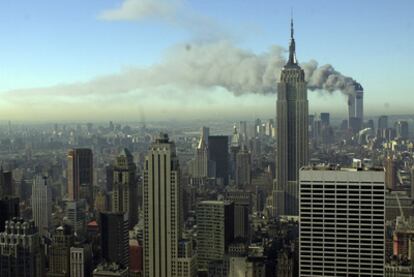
(292,134)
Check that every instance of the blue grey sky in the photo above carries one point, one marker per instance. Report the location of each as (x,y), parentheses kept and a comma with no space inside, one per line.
(103,59)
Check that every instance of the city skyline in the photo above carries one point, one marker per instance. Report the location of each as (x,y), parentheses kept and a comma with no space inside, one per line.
(108,53)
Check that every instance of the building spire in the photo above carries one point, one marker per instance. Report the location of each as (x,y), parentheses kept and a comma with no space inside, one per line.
(292,51)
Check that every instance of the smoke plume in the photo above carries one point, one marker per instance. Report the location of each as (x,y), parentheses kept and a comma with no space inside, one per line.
(206,66)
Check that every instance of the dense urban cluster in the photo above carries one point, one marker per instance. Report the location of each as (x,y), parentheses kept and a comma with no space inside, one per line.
(302,195)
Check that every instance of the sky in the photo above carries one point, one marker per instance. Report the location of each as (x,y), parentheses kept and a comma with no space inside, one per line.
(180,59)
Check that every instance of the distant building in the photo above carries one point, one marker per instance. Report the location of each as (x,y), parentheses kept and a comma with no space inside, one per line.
(6,183)
(21,252)
(412,182)
(383,122)
(215,224)
(342,218)
(356,108)
(10,208)
(218,150)
(42,205)
(325,119)
(202,166)
(390,168)
(125,188)
(235,145)
(402,129)
(80,175)
(243,167)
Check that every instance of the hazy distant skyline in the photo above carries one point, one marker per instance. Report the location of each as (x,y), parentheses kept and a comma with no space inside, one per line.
(114,59)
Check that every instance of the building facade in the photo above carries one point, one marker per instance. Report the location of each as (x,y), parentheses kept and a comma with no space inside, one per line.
(342,219)
(124,188)
(215,226)
(21,252)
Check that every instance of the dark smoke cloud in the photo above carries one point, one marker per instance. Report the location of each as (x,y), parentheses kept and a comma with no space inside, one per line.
(206,66)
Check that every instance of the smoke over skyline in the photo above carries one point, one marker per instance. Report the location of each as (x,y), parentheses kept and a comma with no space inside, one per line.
(203,66)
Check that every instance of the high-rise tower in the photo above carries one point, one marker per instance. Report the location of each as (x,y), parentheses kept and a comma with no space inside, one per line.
(42,205)
(292,133)
(162,214)
(124,193)
(80,175)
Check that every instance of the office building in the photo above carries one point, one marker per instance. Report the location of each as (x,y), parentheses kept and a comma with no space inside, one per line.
(21,252)
(342,218)
(162,212)
(114,238)
(59,252)
(42,205)
(218,151)
(215,224)
(80,175)
(125,187)
(292,130)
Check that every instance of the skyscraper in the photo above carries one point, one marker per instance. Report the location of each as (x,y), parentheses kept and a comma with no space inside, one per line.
(215,223)
(292,131)
(124,188)
(356,108)
(342,218)
(42,205)
(114,238)
(218,151)
(162,213)
(201,166)
(80,175)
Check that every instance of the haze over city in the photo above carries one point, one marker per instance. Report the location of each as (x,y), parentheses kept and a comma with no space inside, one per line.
(163,60)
